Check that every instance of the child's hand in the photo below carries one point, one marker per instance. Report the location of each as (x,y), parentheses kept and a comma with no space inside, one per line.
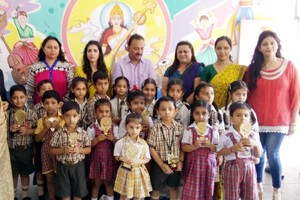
(145,125)
(197,144)
(23,130)
(127,160)
(248,142)
(46,123)
(69,150)
(5,105)
(101,137)
(237,147)
(219,160)
(14,128)
(55,124)
(179,166)
(110,137)
(166,169)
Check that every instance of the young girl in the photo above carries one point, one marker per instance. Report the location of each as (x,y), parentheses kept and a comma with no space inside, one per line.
(118,103)
(237,91)
(175,89)
(149,88)
(102,165)
(205,91)
(79,94)
(136,103)
(239,175)
(133,180)
(164,142)
(200,160)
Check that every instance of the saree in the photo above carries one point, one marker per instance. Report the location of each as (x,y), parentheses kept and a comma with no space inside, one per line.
(222,80)
(6,184)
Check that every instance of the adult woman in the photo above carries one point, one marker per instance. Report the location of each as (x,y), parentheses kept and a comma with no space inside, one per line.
(223,72)
(92,62)
(186,68)
(51,65)
(273,83)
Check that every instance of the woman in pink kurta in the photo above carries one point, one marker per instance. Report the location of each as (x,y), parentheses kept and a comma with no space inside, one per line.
(51,65)
(273,83)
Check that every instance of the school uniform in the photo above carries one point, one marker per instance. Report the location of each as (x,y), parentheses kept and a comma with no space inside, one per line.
(102,161)
(165,141)
(21,146)
(84,112)
(200,165)
(183,114)
(239,174)
(70,172)
(133,182)
(150,107)
(48,161)
(119,107)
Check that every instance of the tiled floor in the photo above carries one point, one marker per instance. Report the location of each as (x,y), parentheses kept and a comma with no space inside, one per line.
(291,169)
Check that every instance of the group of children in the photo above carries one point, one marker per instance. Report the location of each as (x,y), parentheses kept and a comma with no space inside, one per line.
(176,136)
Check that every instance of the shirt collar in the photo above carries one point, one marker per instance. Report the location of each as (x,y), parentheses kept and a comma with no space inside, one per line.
(127,59)
(139,140)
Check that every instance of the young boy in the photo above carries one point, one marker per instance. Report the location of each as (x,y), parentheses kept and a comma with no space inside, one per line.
(70,144)
(22,122)
(46,126)
(42,87)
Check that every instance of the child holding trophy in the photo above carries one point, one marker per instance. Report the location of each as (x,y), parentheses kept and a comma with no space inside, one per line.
(199,142)
(238,145)
(70,144)
(133,180)
(102,134)
(22,123)
(164,141)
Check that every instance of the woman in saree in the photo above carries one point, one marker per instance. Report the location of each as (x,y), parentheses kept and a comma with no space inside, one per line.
(186,68)
(223,72)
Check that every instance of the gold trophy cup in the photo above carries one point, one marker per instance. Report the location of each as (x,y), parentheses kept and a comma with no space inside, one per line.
(245,128)
(51,120)
(172,160)
(131,152)
(73,139)
(145,114)
(20,117)
(201,128)
(105,124)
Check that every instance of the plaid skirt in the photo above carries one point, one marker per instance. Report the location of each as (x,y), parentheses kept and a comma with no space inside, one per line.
(199,177)
(133,183)
(239,180)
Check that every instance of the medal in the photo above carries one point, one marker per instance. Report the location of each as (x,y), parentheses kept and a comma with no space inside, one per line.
(105,124)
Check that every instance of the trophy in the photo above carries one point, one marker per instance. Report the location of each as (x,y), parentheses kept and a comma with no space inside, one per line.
(145,114)
(201,128)
(105,124)
(131,152)
(73,139)
(245,128)
(51,120)
(172,160)
(20,116)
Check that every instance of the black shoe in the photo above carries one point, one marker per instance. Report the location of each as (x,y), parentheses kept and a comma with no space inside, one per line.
(26,198)
(16,198)
(267,170)
(42,197)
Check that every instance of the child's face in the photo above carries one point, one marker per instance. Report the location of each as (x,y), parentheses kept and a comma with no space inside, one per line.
(51,106)
(149,90)
(121,88)
(45,87)
(239,116)
(239,95)
(137,105)
(200,114)
(19,99)
(176,92)
(79,90)
(103,111)
(71,118)
(206,94)
(166,111)
(134,128)
(102,86)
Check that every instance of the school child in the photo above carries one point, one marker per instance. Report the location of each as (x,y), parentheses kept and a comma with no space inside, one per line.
(46,126)
(205,91)
(133,180)
(21,123)
(149,88)
(199,144)
(102,162)
(164,142)
(42,87)
(70,144)
(237,91)
(175,89)
(136,103)
(119,103)
(239,175)
(80,94)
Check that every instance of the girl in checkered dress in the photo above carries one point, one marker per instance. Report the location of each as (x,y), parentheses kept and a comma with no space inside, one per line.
(200,161)
(102,164)
(133,180)
(239,174)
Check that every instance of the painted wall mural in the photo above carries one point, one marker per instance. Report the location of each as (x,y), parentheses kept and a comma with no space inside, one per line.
(163,23)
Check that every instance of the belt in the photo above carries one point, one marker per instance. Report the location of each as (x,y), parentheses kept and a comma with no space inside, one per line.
(21,147)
